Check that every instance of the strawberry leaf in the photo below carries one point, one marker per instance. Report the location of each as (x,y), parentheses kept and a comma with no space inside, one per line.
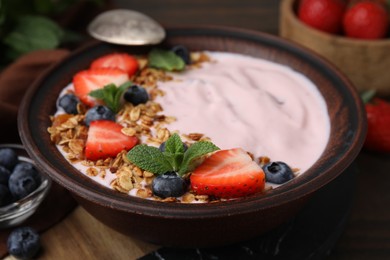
(111,95)
(150,159)
(165,60)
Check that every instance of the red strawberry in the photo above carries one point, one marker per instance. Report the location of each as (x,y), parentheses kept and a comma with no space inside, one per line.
(87,80)
(378,121)
(121,61)
(324,15)
(366,20)
(228,174)
(105,139)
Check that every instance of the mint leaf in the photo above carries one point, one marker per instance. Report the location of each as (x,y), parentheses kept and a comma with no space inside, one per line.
(174,151)
(166,60)
(150,159)
(111,95)
(195,151)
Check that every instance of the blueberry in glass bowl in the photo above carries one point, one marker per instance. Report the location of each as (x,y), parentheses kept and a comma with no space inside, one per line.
(22,186)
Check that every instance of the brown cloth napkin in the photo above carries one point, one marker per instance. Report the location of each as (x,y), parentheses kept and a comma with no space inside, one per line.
(14,81)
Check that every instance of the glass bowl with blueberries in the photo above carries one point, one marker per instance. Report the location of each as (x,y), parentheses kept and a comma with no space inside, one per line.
(22,186)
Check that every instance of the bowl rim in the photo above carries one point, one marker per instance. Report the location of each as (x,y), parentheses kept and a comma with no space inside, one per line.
(248,204)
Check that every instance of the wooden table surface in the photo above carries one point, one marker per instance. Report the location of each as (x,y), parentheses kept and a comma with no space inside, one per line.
(367,235)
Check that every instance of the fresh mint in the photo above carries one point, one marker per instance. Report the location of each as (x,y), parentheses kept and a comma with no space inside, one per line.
(174,158)
(149,158)
(165,60)
(111,95)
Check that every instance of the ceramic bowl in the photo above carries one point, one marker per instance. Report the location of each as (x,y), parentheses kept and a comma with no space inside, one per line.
(17,212)
(365,62)
(212,224)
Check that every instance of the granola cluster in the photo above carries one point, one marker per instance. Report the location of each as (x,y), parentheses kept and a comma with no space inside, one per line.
(145,121)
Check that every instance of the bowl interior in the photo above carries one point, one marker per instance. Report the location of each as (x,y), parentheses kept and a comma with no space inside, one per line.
(344,107)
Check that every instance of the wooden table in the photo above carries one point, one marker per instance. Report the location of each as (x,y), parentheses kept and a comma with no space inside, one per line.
(367,235)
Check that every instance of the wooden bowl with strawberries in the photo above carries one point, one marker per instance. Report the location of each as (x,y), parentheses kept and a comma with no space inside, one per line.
(365,61)
(218,222)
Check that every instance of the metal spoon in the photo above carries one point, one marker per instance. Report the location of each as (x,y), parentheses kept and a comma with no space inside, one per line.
(126,27)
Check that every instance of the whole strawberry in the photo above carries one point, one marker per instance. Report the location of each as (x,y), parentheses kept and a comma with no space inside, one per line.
(324,15)
(378,121)
(366,19)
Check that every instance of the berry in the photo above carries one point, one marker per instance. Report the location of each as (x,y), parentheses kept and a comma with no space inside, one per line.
(182,52)
(378,126)
(324,15)
(69,102)
(5,195)
(121,61)
(278,172)
(24,243)
(88,80)
(23,180)
(136,95)
(366,20)
(169,184)
(105,139)
(99,112)
(8,158)
(162,147)
(4,175)
(228,174)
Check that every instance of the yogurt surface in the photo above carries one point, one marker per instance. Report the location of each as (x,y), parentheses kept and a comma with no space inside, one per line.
(239,101)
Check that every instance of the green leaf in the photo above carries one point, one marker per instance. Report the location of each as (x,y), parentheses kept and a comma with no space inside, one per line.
(367,95)
(149,159)
(195,151)
(111,95)
(33,33)
(174,151)
(165,60)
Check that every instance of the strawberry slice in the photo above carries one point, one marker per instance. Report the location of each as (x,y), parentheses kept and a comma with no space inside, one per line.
(228,174)
(87,80)
(121,61)
(105,139)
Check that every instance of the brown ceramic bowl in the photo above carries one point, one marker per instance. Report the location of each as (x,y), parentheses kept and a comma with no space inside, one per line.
(199,224)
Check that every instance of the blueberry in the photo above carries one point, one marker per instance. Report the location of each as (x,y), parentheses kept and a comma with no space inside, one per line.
(99,112)
(136,95)
(162,147)
(5,195)
(8,158)
(182,52)
(278,172)
(169,185)
(24,179)
(69,103)
(4,175)
(24,243)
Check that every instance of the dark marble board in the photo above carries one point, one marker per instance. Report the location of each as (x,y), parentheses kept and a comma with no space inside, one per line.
(310,235)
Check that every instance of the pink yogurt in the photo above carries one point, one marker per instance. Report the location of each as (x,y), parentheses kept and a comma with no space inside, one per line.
(238,101)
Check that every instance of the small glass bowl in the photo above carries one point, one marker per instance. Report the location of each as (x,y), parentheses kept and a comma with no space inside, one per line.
(17,212)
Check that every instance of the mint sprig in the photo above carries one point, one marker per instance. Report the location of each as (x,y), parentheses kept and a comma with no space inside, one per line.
(174,158)
(111,95)
(165,60)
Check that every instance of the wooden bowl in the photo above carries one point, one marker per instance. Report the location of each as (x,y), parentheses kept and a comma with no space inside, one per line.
(212,224)
(365,62)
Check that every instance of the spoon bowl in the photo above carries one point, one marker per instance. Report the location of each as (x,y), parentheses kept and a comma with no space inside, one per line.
(126,27)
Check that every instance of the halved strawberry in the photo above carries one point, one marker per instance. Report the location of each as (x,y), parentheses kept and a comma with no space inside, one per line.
(228,174)
(87,80)
(121,61)
(105,139)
